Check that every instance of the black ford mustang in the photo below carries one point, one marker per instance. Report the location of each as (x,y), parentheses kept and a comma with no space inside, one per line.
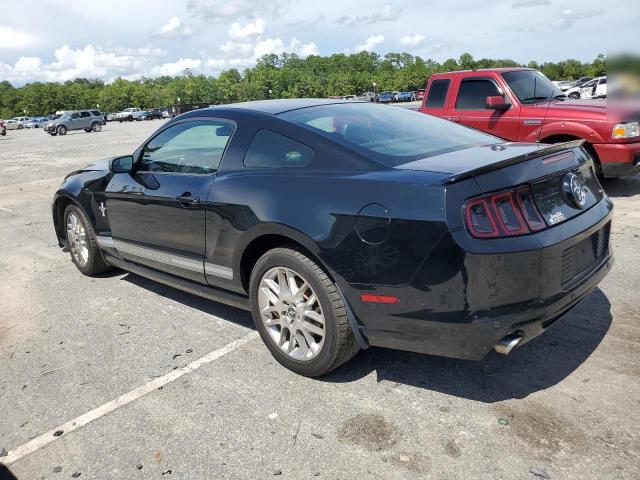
(341,225)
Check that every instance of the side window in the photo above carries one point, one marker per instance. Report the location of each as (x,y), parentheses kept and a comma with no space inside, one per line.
(85,114)
(603,81)
(473,94)
(75,115)
(194,147)
(96,113)
(438,93)
(272,150)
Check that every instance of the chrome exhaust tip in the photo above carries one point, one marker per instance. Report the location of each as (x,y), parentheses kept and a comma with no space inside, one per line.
(507,344)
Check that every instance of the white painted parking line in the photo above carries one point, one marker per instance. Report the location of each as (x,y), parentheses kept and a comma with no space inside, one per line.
(68,427)
(6,209)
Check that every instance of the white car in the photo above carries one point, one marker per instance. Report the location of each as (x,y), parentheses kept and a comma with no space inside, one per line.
(596,88)
(13,124)
(129,114)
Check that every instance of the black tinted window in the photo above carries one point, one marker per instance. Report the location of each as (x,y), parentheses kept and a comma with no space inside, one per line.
(438,93)
(473,94)
(189,147)
(96,113)
(272,150)
(85,114)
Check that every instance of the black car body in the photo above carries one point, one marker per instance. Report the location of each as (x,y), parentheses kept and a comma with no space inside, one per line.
(154,114)
(394,235)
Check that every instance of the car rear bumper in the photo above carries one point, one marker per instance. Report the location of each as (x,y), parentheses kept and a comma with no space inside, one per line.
(461,305)
(619,159)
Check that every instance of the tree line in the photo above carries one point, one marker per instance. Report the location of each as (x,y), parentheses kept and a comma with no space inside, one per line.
(273,76)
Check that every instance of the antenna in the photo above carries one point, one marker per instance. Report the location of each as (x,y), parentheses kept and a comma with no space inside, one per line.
(546,112)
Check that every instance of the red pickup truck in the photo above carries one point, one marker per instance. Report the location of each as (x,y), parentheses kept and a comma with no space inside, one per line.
(522,105)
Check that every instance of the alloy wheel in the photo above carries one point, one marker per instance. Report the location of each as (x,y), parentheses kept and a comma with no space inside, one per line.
(291,313)
(77,237)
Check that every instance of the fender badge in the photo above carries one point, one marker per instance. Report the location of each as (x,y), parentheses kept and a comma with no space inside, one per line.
(102,209)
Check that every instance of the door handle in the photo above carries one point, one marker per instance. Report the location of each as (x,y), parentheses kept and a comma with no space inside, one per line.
(188,199)
(453,119)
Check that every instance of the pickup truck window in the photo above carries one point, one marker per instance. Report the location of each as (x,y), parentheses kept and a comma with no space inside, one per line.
(473,93)
(438,93)
(530,86)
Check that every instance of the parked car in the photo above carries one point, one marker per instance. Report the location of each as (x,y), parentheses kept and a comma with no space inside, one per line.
(167,113)
(129,114)
(564,85)
(112,116)
(21,120)
(153,114)
(522,105)
(581,81)
(507,238)
(406,97)
(596,88)
(36,122)
(386,97)
(87,120)
(3,129)
(419,94)
(368,97)
(13,124)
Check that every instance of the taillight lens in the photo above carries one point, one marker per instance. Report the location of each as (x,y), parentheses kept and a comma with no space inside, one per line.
(505,214)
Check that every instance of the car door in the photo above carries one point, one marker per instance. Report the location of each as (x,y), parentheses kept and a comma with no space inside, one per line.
(157,213)
(74,121)
(470,108)
(601,89)
(85,120)
(586,90)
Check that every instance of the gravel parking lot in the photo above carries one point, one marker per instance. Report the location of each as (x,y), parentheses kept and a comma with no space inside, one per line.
(567,403)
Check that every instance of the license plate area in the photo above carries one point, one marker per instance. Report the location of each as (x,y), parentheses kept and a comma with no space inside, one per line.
(580,259)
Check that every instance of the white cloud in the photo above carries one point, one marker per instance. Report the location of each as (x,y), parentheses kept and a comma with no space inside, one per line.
(178,67)
(568,17)
(303,49)
(13,38)
(372,42)
(174,28)
(225,9)
(530,3)
(387,14)
(412,40)
(251,29)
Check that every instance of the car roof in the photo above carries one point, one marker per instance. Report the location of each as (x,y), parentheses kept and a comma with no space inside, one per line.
(275,107)
(485,70)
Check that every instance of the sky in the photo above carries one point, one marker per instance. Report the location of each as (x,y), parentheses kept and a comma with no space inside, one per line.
(54,40)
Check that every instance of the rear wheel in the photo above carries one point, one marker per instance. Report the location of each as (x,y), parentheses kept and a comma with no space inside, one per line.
(96,127)
(61,130)
(300,314)
(20,127)
(82,243)
(574,95)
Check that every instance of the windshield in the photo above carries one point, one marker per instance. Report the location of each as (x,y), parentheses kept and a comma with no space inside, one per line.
(66,115)
(530,86)
(390,135)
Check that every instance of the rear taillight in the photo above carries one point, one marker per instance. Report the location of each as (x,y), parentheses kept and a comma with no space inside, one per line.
(504,214)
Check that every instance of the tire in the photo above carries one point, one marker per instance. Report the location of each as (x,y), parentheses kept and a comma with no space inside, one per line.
(336,346)
(20,127)
(93,263)
(88,130)
(130,118)
(61,130)
(119,121)
(96,127)
(574,95)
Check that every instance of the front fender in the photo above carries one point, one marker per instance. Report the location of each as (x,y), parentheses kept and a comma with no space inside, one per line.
(565,128)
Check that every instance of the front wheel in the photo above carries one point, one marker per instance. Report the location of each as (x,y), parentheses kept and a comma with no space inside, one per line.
(20,127)
(300,314)
(81,240)
(61,130)
(574,95)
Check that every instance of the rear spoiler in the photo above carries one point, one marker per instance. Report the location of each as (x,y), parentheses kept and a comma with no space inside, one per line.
(542,152)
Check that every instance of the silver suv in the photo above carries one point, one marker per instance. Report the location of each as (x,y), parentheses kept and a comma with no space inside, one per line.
(87,120)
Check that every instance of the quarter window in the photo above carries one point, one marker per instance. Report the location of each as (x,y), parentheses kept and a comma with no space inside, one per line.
(194,147)
(438,93)
(272,150)
(85,114)
(474,92)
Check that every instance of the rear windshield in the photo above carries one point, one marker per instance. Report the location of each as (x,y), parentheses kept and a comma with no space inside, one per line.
(390,135)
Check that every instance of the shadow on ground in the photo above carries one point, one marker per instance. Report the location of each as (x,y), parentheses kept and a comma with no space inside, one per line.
(621,187)
(537,365)
(5,473)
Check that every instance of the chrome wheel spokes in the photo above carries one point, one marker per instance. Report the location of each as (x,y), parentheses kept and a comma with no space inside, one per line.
(77,237)
(291,313)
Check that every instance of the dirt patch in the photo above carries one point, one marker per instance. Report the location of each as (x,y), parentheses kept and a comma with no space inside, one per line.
(371,431)
(414,461)
(453,448)
(541,428)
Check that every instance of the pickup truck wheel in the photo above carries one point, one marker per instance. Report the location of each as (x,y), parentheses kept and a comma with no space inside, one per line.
(81,240)
(20,127)
(96,127)
(61,130)
(574,95)
(120,121)
(300,314)
(130,118)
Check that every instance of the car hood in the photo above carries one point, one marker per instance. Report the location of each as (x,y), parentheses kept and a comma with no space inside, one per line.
(471,158)
(99,165)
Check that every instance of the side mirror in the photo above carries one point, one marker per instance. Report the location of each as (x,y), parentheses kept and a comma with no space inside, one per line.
(122,164)
(497,103)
